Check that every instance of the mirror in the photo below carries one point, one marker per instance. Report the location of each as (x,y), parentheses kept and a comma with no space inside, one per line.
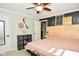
(2,32)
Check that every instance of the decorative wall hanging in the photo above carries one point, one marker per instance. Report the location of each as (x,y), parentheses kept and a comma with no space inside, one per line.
(24,21)
(23,24)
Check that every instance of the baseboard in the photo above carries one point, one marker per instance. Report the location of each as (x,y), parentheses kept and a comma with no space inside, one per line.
(13,49)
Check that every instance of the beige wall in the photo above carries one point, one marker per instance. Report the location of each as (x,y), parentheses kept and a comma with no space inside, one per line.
(72,31)
(65,30)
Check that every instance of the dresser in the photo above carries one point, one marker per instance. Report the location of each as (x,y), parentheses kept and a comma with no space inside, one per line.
(23,40)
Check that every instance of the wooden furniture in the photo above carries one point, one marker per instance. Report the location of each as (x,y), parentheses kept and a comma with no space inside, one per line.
(23,40)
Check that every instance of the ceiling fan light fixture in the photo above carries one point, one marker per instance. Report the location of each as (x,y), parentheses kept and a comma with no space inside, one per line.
(39,8)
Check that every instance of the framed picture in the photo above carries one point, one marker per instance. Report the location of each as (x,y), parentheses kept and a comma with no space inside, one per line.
(2,32)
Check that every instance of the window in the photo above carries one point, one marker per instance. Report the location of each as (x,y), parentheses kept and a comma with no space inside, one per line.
(75,17)
(55,20)
(59,20)
(51,21)
(75,20)
(2,32)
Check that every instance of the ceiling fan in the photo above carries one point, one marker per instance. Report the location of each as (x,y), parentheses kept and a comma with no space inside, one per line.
(40,6)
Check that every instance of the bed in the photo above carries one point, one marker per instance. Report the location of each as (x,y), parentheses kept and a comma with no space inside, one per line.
(60,42)
(54,46)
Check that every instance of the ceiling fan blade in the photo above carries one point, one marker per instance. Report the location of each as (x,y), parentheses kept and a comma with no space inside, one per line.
(45,4)
(48,9)
(41,3)
(36,4)
(30,8)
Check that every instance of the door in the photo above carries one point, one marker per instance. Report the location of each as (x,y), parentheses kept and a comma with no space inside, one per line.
(37,29)
(43,28)
(6,46)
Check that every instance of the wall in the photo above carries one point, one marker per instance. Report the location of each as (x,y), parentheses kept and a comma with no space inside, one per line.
(68,29)
(65,30)
(62,31)
(14,18)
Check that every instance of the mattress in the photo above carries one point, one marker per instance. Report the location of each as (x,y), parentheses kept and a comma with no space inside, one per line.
(55,46)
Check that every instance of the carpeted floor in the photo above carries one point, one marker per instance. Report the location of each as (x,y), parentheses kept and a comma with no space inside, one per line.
(16,53)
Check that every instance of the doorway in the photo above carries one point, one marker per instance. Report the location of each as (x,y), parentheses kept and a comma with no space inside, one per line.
(43,29)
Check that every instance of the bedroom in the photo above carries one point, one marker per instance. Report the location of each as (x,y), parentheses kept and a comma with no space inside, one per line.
(20,21)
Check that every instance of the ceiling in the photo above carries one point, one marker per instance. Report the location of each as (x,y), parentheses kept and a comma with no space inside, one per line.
(56,7)
(18,7)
